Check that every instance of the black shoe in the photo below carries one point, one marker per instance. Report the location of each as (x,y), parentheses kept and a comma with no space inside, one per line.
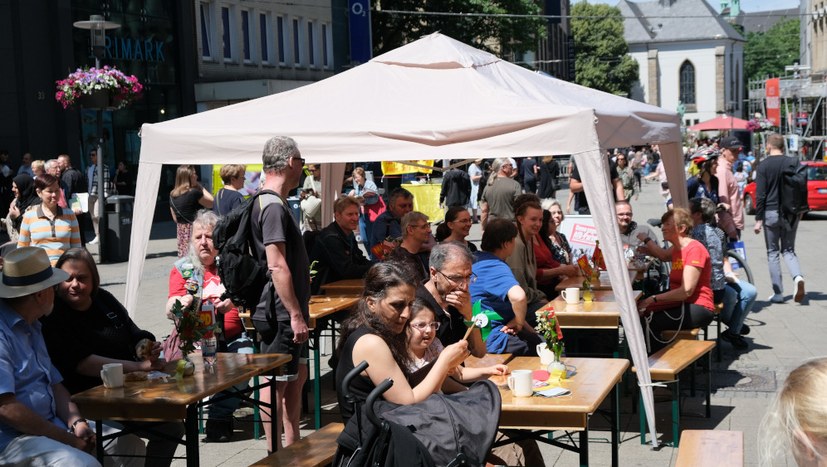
(744,330)
(219,431)
(737,341)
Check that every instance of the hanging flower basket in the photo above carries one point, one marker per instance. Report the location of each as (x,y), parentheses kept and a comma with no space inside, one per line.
(98,88)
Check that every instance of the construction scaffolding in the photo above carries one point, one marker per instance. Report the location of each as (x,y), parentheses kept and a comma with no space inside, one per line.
(803,110)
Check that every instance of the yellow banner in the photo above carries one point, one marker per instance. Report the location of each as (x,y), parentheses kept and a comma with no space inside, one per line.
(399,168)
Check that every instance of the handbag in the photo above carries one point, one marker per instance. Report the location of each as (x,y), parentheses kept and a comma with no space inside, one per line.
(171,346)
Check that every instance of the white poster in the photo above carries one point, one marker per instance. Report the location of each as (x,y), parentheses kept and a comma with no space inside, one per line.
(580,232)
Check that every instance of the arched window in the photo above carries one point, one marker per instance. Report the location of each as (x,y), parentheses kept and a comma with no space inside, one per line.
(687,83)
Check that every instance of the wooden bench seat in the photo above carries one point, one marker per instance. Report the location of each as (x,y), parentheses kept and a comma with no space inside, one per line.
(711,447)
(314,450)
(666,365)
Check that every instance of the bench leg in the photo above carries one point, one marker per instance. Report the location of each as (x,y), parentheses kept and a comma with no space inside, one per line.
(717,343)
(692,369)
(584,447)
(676,411)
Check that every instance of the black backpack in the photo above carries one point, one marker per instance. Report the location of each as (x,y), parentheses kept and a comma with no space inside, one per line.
(794,189)
(241,273)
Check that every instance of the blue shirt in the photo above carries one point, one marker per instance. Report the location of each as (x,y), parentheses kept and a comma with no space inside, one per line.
(25,370)
(494,280)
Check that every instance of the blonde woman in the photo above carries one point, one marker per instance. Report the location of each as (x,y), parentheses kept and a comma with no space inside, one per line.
(797,419)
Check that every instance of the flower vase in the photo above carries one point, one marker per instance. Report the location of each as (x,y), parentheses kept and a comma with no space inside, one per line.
(557,369)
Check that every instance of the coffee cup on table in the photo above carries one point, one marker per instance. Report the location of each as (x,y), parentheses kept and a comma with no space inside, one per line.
(571,295)
(520,382)
(112,375)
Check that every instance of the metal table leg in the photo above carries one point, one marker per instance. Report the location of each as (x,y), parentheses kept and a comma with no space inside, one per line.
(191,430)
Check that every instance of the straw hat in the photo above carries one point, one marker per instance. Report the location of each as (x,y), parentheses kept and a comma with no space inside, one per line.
(26,271)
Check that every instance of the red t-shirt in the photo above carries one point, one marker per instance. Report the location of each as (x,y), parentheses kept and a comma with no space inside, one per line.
(545,260)
(211,290)
(693,254)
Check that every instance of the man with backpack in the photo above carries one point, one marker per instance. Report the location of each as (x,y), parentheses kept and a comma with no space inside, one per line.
(778,216)
(277,242)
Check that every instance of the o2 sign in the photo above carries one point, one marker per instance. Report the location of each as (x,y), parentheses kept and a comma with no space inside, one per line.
(361,43)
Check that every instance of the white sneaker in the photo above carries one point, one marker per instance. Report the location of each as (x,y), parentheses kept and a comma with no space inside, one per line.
(776,298)
(94,241)
(799,289)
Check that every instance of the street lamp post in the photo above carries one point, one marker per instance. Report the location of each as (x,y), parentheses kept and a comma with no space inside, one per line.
(97,27)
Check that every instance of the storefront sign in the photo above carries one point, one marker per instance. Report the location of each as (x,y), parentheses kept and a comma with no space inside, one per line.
(131,48)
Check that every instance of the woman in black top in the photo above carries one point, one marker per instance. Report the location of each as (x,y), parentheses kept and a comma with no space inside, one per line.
(376,333)
(185,200)
(456,227)
(89,328)
(229,197)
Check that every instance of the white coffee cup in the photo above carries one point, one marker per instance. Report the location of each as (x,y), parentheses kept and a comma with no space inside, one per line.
(520,382)
(571,295)
(112,375)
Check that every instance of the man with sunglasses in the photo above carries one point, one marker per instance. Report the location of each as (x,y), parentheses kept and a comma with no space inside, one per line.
(446,292)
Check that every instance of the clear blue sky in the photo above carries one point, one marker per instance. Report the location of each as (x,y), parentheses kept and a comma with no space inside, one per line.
(748,6)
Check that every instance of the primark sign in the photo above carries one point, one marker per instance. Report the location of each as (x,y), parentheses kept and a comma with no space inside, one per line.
(134,49)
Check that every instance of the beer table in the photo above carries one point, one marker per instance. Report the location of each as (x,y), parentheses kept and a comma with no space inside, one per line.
(603,312)
(602,283)
(173,400)
(321,308)
(535,416)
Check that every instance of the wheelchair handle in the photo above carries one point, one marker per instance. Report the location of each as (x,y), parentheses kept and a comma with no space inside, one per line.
(376,394)
(349,377)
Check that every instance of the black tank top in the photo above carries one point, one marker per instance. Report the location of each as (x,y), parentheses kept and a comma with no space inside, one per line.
(361,385)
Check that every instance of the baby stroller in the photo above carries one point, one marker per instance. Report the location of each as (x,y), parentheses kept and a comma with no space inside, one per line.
(443,430)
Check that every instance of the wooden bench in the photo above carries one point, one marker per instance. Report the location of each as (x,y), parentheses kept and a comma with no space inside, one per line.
(314,450)
(666,365)
(711,447)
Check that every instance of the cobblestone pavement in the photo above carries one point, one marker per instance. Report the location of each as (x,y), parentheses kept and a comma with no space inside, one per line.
(783,335)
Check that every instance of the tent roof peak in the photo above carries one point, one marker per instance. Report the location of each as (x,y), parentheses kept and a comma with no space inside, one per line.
(437,51)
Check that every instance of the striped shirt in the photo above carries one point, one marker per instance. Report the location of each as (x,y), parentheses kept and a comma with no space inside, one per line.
(53,235)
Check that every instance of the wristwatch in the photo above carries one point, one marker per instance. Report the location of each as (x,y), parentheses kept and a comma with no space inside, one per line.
(647,240)
(654,299)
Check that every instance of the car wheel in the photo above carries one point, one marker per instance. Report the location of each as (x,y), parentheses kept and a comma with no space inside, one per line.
(749,205)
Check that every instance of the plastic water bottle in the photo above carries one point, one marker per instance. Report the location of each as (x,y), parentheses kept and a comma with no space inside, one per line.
(209,345)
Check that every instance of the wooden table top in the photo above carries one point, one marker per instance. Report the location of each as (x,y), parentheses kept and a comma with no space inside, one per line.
(164,401)
(322,306)
(593,380)
(668,362)
(345,286)
(602,312)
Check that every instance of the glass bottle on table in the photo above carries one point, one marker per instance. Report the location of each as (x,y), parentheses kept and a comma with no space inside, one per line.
(209,343)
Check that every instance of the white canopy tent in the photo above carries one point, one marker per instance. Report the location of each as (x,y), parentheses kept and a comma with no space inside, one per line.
(434,98)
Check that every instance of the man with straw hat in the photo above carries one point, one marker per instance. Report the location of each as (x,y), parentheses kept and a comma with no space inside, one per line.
(37,418)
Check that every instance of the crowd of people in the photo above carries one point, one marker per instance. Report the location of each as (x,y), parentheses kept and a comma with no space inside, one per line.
(419,288)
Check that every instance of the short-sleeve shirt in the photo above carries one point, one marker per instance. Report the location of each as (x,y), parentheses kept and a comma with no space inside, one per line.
(211,289)
(26,371)
(226,200)
(53,235)
(713,239)
(500,197)
(693,254)
(273,223)
(494,280)
(187,206)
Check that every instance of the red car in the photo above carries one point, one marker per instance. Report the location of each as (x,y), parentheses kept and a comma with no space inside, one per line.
(816,188)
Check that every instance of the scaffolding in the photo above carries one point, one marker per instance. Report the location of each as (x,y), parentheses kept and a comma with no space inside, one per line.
(803,109)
